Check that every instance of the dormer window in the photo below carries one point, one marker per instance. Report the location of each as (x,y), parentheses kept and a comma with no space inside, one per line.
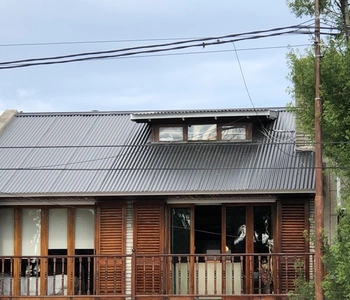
(226,125)
(233,133)
(205,132)
(201,132)
(171,133)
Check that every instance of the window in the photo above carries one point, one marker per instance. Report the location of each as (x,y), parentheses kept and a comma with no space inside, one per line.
(6,239)
(202,132)
(33,233)
(6,231)
(171,133)
(58,228)
(233,133)
(244,232)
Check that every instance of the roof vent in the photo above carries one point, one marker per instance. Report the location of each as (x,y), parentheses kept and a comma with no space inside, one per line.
(303,141)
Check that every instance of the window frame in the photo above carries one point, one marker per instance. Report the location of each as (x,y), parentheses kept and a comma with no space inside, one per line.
(248,131)
(184,132)
(219,126)
(21,261)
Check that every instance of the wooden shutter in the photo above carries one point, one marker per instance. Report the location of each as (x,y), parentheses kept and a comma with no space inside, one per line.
(294,221)
(110,277)
(148,239)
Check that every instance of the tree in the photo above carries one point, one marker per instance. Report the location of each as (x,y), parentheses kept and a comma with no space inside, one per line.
(334,12)
(337,260)
(335,94)
(335,83)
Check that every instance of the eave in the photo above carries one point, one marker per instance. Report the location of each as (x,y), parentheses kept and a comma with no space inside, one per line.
(143,117)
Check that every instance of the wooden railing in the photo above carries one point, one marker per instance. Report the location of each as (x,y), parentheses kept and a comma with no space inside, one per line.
(166,275)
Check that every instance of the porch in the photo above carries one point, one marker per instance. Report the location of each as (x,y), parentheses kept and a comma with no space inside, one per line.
(149,276)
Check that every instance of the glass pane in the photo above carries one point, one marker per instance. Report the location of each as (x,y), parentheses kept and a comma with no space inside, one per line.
(202,132)
(236,229)
(263,233)
(84,228)
(208,229)
(262,229)
(171,134)
(6,231)
(58,228)
(31,227)
(233,133)
(180,244)
(180,230)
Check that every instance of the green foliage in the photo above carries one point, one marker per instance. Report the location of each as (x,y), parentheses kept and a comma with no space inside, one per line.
(337,261)
(334,12)
(304,289)
(335,93)
(306,7)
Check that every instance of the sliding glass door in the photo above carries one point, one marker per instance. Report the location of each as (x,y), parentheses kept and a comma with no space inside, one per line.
(209,231)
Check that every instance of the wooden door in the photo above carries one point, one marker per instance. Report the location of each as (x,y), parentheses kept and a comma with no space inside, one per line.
(110,269)
(148,244)
(293,223)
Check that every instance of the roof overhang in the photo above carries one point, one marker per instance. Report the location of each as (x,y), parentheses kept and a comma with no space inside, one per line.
(85,198)
(144,117)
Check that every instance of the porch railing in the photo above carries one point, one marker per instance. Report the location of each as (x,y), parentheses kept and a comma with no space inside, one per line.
(166,275)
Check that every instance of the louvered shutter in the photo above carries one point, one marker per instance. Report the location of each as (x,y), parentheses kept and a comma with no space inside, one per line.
(148,239)
(294,220)
(110,277)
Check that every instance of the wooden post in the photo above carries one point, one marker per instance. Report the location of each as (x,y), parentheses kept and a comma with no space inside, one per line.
(319,213)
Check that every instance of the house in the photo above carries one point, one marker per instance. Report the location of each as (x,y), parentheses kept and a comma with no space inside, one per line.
(155,204)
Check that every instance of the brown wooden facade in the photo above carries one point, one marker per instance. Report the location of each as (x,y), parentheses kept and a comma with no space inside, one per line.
(134,256)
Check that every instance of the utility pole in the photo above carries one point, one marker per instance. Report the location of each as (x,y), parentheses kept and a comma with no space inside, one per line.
(319,213)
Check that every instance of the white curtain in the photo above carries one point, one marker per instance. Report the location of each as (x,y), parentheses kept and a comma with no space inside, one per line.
(6,231)
(84,228)
(58,228)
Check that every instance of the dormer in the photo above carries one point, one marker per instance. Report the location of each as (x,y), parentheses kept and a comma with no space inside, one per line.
(227,125)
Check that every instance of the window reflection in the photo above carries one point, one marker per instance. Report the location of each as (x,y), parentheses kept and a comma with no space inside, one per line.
(236,228)
(231,133)
(180,230)
(171,134)
(31,226)
(205,132)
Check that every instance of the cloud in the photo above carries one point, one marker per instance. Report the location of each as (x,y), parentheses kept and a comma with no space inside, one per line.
(25,93)
(165,82)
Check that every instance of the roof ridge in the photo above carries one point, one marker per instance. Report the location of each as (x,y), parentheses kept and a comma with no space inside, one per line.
(146,111)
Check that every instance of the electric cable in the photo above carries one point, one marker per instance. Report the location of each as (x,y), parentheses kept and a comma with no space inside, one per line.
(203,43)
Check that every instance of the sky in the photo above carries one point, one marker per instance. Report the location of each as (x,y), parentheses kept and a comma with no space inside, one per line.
(243,74)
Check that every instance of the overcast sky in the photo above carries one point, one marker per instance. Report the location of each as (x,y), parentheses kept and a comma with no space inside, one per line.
(210,77)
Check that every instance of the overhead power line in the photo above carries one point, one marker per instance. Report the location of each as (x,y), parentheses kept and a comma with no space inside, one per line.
(94,42)
(155,48)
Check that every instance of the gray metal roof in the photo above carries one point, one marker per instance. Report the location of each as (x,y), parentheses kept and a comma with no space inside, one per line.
(97,153)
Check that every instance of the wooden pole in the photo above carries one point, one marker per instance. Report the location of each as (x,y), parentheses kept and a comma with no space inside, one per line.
(319,213)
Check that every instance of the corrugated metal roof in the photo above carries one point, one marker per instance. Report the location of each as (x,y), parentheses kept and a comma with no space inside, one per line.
(106,153)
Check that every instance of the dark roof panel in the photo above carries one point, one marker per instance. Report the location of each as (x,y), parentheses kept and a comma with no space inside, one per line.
(107,153)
